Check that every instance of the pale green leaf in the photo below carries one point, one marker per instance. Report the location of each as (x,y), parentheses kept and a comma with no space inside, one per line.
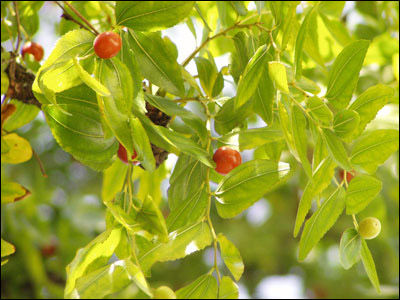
(228,289)
(369,103)
(374,148)
(251,138)
(251,76)
(345,122)
(157,64)
(277,73)
(319,110)
(344,73)
(299,132)
(182,242)
(336,149)
(349,249)
(205,287)
(12,191)
(369,265)
(19,149)
(320,180)
(231,256)
(361,191)
(246,184)
(6,248)
(151,16)
(93,256)
(321,221)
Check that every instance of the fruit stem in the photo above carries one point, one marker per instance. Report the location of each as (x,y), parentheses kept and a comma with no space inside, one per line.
(355,221)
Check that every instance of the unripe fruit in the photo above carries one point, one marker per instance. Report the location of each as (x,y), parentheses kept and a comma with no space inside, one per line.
(226,159)
(164,292)
(349,176)
(123,154)
(107,44)
(33,48)
(369,228)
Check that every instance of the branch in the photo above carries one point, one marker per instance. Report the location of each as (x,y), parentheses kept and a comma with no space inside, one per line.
(68,17)
(18,26)
(81,17)
(223,32)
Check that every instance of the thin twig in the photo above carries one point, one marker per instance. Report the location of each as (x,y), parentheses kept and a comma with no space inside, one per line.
(18,26)
(68,17)
(81,17)
(223,32)
(40,163)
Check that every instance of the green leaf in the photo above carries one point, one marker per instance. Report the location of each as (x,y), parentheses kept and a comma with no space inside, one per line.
(210,79)
(369,103)
(321,221)
(345,122)
(320,180)
(332,8)
(226,13)
(264,97)
(337,29)
(151,16)
(204,287)
(151,219)
(187,194)
(175,142)
(361,191)
(277,72)
(141,144)
(231,256)
(239,57)
(157,64)
(19,149)
(93,256)
(290,22)
(6,248)
(300,39)
(12,191)
(251,138)
(286,129)
(128,58)
(336,149)
(58,68)
(182,242)
(350,246)
(320,152)
(344,73)
(81,133)
(172,109)
(90,81)
(246,184)
(299,127)
(228,289)
(369,265)
(110,279)
(24,114)
(5,82)
(319,110)
(239,7)
(251,76)
(116,108)
(374,148)
(227,118)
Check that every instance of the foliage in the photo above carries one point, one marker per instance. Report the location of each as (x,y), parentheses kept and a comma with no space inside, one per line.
(298,70)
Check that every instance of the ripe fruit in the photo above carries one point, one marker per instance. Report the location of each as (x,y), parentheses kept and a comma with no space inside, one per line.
(123,154)
(33,48)
(107,44)
(349,176)
(164,292)
(226,160)
(369,228)
(48,250)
